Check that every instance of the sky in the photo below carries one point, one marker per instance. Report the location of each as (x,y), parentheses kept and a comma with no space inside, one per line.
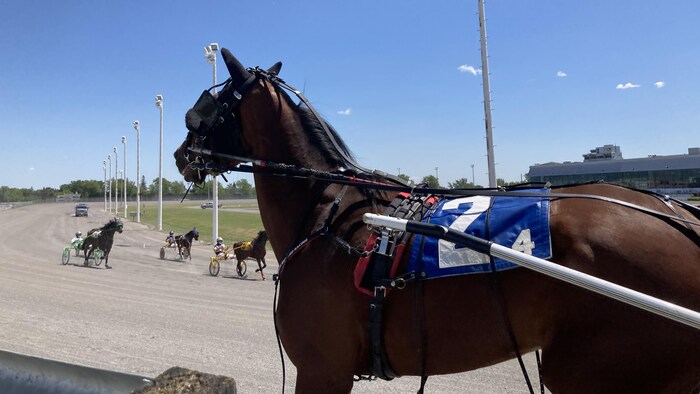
(399,80)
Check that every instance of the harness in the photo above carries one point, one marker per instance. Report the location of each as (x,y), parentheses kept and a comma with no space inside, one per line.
(209,113)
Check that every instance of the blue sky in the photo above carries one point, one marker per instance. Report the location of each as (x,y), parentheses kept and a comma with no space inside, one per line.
(398,80)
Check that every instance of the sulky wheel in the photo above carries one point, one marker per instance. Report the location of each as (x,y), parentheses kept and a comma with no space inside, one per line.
(214,267)
(65,257)
(241,268)
(162,253)
(99,255)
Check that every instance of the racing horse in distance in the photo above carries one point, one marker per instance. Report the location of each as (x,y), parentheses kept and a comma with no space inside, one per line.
(184,243)
(102,238)
(589,343)
(254,249)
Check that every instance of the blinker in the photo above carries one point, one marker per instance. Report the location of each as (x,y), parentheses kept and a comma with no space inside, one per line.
(204,116)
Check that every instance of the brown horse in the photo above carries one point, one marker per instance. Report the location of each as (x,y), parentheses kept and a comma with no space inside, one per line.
(589,343)
(256,251)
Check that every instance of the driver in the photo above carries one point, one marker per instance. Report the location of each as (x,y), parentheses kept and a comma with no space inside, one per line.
(220,247)
(170,240)
(78,237)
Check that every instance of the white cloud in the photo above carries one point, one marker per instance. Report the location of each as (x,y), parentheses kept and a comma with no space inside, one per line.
(660,84)
(31,169)
(468,69)
(561,74)
(345,112)
(628,85)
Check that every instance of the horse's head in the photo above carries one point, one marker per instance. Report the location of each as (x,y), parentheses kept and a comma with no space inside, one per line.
(195,233)
(214,124)
(113,225)
(252,117)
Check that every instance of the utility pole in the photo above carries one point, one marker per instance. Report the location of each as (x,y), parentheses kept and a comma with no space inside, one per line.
(487,97)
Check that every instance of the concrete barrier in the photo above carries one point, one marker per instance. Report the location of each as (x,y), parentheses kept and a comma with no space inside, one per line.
(34,375)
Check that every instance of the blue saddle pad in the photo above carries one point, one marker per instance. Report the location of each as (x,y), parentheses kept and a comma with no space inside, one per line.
(520,223)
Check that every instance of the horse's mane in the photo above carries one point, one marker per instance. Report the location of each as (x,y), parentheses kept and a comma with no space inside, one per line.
(112,223)
(257,237)
(317,135)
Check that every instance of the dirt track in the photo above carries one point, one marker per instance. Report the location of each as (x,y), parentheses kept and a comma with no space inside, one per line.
(147,314)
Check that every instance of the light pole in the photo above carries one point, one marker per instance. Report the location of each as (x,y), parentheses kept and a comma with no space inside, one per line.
(436,176)
(104,183)
(473,180)
(124,143)
(138,171)
(210,55)
(116,182)
(159,104)
(109,157)
(487,96)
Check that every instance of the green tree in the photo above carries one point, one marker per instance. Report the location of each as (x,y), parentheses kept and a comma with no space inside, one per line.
(404,177)
(431,182)
(461,183)
(245,189)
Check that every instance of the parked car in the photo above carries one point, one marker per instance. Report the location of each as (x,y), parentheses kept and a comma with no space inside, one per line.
(210,204)
(81,209)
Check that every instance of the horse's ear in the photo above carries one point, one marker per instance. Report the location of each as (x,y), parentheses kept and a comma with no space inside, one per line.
(275,69)
(238,73)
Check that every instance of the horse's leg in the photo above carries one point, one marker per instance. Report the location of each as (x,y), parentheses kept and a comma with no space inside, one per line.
(88,252)
(106,257)
(325,357)
(261,267)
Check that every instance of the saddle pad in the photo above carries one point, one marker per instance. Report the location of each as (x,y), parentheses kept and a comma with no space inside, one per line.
(520,223)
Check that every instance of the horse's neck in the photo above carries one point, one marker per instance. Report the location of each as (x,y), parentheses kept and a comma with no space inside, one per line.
(288,209)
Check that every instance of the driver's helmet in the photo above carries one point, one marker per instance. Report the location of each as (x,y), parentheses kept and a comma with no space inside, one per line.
(219,240)
(78,234)
(171,234)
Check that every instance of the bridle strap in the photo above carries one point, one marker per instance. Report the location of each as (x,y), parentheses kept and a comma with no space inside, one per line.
(276,80)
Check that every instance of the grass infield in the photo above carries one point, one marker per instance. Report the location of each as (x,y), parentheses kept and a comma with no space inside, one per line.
(239,220)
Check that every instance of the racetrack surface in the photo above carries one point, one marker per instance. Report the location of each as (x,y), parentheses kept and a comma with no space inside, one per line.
(146,315)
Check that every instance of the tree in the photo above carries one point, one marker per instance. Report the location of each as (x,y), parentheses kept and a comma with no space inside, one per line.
(404,177)
(245,189)
(431,182)
(143,186)
(461,183)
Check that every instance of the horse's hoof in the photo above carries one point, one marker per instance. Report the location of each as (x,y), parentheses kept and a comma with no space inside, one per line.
(109,267)
(257,270)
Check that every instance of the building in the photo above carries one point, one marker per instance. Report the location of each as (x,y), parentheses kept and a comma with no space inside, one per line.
(672,174)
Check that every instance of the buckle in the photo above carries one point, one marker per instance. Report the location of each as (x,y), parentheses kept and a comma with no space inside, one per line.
(379,291)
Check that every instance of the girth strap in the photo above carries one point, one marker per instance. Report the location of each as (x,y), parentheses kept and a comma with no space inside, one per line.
(378,360)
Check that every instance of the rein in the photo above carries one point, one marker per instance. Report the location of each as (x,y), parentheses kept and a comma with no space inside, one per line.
(286,170)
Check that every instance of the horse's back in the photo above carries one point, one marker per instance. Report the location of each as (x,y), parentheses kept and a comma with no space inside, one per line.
(633,248)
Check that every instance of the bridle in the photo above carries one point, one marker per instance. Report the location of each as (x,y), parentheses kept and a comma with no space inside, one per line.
(209,113)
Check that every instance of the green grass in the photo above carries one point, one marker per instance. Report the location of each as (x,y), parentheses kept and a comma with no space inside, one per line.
(181,217)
